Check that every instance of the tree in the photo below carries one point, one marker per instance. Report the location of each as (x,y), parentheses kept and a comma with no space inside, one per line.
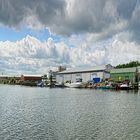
(128,65)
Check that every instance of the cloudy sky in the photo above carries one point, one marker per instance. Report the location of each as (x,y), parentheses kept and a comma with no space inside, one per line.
(39,35)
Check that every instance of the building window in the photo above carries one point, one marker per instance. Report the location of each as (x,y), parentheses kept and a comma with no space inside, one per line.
(78,75)
(60,75)
(78,79)
(94,75)
(126,77)
(119,78)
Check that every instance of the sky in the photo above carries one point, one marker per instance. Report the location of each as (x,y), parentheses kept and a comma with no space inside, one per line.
(40,35)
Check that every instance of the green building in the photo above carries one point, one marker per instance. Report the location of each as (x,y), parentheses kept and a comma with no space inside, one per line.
(138,74)
(124,74)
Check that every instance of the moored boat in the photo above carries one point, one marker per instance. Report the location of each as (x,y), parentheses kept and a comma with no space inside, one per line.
(124,87)
(59,85)
(74,85)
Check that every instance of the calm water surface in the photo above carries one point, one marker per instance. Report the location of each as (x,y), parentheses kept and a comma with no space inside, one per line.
(28,113)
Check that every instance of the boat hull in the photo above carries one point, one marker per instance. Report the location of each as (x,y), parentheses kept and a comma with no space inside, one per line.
(74,85)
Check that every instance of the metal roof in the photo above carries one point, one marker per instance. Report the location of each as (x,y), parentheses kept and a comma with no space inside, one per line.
(25,75)
(76,70)
(123,70)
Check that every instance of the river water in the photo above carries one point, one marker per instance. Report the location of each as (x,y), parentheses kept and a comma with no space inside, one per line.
(29,113)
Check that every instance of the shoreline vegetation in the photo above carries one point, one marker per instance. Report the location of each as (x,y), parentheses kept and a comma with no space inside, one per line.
(9,81)
(129,65)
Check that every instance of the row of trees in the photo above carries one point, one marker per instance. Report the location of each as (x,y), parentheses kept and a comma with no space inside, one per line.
(10,80)
(128,65)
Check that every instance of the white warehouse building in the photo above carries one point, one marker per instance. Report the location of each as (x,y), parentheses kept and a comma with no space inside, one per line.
(97,73)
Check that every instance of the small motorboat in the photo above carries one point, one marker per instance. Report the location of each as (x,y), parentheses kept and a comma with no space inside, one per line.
(41,84)
(74,85)
(59,85)
(124,86)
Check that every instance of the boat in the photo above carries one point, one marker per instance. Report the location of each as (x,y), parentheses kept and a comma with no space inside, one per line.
(105,87)
(59,85)
(41,84)
(124,87)
(74,85)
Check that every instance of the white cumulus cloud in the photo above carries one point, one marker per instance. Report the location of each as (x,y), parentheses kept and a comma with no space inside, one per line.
(30,55)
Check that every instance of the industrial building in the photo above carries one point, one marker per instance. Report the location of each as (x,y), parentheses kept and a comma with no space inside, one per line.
(96,73)
(31,77)
(138,74)
(123,74)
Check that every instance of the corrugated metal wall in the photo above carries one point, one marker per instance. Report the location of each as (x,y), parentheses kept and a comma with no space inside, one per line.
(73,77)
(67,77)
(86,77)
(59,79)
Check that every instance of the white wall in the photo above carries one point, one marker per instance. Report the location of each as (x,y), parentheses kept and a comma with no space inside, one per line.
(59,79)
(85,76)
(106,75)
(100,74)
(67,77)
(73,77)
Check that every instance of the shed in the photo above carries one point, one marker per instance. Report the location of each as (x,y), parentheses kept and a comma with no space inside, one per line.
(123,74)
(84,74)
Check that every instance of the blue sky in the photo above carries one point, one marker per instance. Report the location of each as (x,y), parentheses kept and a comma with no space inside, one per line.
(11,34)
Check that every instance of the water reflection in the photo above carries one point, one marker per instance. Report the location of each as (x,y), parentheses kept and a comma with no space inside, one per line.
(132,91)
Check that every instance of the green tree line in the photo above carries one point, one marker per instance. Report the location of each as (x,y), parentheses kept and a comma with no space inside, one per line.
(129,65)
